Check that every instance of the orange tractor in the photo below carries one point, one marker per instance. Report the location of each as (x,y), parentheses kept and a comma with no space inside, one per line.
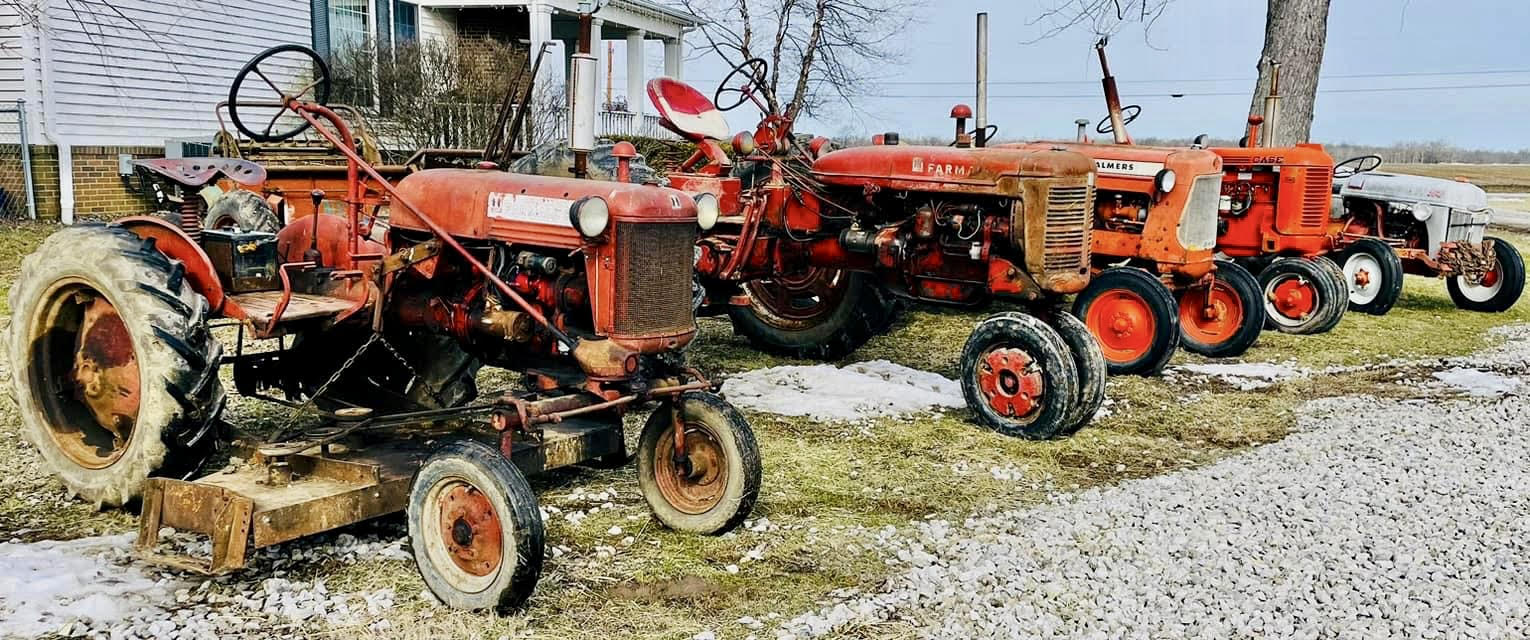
(1157,283)
(812,246)
(372,332)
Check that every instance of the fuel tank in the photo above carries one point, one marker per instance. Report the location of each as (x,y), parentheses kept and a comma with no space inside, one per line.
(513,207)
(972,170)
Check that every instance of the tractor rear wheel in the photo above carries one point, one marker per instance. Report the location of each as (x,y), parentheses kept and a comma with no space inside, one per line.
(1019,377)
(1224,319)
(1373,275)
(1092,369)
(243,210)
(477,534)
(1300,296)
(714,487)
(1499,289)
(1134,317)
(113,369)
(821,314)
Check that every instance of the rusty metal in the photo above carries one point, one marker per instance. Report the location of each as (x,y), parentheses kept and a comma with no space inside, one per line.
(1010,382)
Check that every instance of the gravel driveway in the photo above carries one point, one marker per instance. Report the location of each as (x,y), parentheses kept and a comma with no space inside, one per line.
(1380,518)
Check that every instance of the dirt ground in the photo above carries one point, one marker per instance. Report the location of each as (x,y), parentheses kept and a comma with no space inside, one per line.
(826,484)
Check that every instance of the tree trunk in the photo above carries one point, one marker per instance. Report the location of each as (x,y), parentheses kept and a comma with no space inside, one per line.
(1294,34)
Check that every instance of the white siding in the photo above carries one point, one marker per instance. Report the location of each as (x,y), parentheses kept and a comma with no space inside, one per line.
(437,24)
(139,72)
(10,53)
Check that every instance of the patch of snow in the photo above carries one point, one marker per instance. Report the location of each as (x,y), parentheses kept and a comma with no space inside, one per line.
(46,585)
(1476,382)
(860,391)
(1246,376)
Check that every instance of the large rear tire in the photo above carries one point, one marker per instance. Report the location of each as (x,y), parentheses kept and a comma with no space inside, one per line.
(820,314)
(113,369)
(1499,289)
(243,210)
(1134,317)
(1224,319)
(1373,276)
(1019,377)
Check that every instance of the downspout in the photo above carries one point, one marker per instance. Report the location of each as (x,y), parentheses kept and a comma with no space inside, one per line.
(50,118)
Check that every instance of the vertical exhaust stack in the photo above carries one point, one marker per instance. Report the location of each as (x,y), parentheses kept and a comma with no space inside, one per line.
(1112,97)
(1271,109)
(582,91)
(982,79)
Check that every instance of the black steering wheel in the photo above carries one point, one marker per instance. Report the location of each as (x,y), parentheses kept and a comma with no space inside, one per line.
(1361,164)
(299,73)
(1128,114)
(754,71)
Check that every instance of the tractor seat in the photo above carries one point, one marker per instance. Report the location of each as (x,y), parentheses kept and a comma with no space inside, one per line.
(683,110)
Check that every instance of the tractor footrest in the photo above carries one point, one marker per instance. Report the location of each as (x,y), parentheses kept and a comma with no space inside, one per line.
(260,306)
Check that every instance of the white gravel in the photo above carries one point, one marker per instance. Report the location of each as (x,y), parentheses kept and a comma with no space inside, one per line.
(857,392)
(1378,518)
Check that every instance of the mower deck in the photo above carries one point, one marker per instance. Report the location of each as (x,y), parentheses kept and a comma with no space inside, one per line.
(287,491)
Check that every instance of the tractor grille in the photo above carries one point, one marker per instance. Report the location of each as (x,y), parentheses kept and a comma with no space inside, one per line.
(1067,237)
(653,278)
(1315,197)
(1198,227)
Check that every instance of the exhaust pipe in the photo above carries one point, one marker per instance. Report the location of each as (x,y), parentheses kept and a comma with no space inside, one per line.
(1112,98)
(1271,109)
(982,80)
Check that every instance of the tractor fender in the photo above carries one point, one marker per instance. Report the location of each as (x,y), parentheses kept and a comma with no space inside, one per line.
(175,244)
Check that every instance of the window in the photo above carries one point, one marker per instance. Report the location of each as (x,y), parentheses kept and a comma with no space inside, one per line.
(406,22)
(348,26)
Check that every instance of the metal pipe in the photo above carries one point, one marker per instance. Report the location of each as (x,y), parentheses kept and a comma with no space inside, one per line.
(982,79)
(26,157)
(1271,109)
(1112,98)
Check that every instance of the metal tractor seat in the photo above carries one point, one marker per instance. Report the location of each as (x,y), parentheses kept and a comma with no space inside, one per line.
(685,111)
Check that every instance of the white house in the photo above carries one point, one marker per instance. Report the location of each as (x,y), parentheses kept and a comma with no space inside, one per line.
(109,78)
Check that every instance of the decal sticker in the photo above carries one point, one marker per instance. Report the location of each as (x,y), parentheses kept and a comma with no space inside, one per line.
(674,201)
(941,170)
(1128,167)
(527,208)
(918,165)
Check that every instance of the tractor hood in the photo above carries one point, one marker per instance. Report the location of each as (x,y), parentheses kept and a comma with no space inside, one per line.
(1128,164)
(1301,155)
(1402,188)
(972,170)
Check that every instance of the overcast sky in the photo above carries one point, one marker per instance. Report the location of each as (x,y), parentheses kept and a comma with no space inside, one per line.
(1199,47)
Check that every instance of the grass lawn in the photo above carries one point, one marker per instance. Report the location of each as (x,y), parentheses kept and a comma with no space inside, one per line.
(1513,178)
(826,485)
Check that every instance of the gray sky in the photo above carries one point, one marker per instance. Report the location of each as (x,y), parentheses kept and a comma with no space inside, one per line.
(1206,46)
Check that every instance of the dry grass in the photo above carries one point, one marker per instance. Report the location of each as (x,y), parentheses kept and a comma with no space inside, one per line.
(1512,178)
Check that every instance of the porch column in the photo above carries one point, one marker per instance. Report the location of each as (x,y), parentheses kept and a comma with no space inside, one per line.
(540,13)
(674,57)
(598,49)
(637,93)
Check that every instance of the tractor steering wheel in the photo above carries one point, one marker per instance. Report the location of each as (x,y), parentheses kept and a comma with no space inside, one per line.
(1105,128)
(291,77)
(753,71)
(1361,164)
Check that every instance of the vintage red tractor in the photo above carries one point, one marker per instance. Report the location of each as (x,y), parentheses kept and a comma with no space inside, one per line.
(811,248)
(377,329)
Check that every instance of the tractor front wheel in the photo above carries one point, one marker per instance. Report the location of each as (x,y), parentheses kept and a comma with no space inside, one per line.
(477,535)
(1301,296)
(1373,274)
(1222,319)
(1134,317)
(1019,378)
(1091,365)
(712,487)
(822,314)
(113,369)
(1498,289)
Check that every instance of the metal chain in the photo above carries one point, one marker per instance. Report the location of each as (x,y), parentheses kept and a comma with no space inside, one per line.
(308,405)
(434,392)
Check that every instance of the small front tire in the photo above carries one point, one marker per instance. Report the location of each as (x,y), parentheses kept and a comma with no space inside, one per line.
(1092,370)
(1018,376)
(1223,319)
(715,486)
(1373,275)
(1134,317)
(1499,289)
(1299,296)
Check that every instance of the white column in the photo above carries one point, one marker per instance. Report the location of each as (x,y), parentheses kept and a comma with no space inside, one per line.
(674,57)
(540,15)
(598,49)
(637,93)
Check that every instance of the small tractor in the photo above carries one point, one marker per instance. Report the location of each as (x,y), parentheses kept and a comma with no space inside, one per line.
(1388,224)
(377,328)
(812,247)
(1158,284)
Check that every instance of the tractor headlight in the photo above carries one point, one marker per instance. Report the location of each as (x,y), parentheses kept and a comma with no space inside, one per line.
(707,211)
(1422,211)
(590,215)
(1165,181)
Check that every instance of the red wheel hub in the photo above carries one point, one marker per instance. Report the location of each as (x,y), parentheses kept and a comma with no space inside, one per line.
(1123,322)
(1010,382)
(105,370)
(470,530)
(1295,297)
(1362,277)
(1490,278)
(1211,315)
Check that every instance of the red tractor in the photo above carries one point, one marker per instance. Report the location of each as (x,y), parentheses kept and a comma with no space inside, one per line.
(378,330)
(811,247)
(1158,284)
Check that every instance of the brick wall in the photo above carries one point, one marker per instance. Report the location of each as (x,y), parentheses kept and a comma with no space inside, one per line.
(98,189)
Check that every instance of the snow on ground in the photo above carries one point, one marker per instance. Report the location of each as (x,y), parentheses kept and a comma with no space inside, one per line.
(1480,383)
(1246,376)
(856,392)
(44,585)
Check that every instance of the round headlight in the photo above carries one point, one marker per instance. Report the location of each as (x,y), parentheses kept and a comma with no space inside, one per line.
(590,215)
(1421,212)
(707,211)
(1165,181)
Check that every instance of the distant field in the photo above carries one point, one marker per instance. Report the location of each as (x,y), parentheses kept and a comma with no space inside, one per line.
(1514,178)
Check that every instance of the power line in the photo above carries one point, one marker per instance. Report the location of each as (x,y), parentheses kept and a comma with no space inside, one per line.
(1215,93)
(1340,76)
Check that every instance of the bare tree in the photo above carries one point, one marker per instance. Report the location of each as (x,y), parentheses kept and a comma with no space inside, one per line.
(822,51)
(1295,32)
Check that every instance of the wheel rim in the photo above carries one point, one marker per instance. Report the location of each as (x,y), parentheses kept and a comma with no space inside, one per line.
(1010,382)
(798,300)
(1211,315)
(1483,290)
(1123,322)
(86,375)
(1363,273)
(466,539)
(1290,299)
(698,483)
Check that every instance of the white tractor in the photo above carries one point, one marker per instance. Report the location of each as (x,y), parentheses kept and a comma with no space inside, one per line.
(1432,226)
